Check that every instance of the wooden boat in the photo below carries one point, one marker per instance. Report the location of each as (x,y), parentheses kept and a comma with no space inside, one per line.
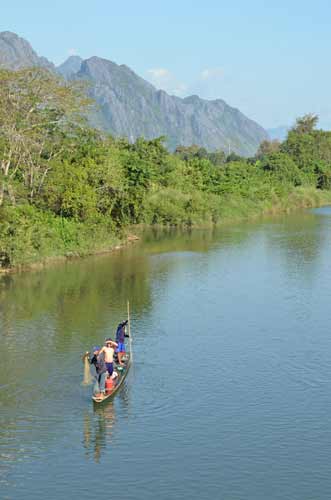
(121,370)
(122,373)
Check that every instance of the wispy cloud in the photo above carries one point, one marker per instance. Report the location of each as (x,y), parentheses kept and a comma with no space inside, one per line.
(163,79)
(207,84)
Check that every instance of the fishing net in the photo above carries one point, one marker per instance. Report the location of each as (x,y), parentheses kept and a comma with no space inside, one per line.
(87,380)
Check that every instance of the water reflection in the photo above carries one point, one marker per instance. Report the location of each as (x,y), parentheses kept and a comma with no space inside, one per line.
(77,292)
(257,293)
(99,426)
(98,430)
(74,293)
(169,240)
(299,241)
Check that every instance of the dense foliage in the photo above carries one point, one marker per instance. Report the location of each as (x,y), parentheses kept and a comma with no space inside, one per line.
(65,188)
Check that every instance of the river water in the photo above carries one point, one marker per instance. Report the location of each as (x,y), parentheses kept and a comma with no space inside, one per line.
(229,396)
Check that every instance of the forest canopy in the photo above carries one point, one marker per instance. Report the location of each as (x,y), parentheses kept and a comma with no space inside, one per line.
(67,188)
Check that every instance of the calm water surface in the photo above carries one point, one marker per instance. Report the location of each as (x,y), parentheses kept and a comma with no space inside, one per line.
(230,393)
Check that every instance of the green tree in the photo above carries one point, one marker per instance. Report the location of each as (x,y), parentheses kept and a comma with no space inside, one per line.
(233,157)
(267,147)
(323,173)
(305,124)
(283,168)
(37,109)
(217,158)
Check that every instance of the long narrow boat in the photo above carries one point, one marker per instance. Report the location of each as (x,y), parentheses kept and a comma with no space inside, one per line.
(121,370)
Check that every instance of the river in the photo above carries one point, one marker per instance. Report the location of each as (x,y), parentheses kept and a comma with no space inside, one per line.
(229,394)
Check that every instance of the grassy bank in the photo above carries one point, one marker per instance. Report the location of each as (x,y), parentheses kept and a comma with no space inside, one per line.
(30,236)
(37,239)
(238,209)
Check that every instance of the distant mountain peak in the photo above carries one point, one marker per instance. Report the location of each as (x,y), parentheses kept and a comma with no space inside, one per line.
(130,106)
(110,73)
(10,34)
(70,66)
(16,53)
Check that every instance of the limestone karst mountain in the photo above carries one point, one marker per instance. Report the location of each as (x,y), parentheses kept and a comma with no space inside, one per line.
(127,105)
(17,53)
(130,106)
(70,66)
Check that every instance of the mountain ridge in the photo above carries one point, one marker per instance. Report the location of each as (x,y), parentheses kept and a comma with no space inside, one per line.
(17,53)
(70,66)
(127,105)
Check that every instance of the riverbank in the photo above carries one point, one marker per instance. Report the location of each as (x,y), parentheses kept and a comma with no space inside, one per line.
(73,191)
(98,239)
(117,245)
(238,209)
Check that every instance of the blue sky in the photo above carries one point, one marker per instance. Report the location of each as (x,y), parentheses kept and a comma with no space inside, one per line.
(269,59)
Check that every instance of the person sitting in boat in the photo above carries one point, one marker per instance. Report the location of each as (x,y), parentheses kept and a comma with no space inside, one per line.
(98,360)
(120,339)
(108,350)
